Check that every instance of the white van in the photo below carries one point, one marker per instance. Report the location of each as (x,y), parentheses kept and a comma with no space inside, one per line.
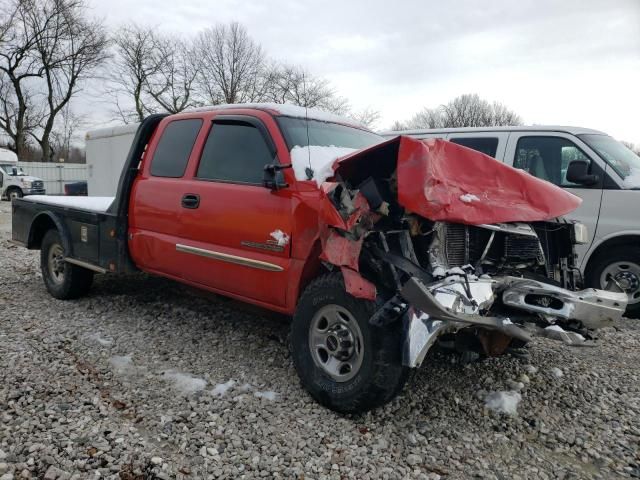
(13,182)
(588,163)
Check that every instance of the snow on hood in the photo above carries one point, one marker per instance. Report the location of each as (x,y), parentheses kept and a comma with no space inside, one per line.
(443,181)
(319,158)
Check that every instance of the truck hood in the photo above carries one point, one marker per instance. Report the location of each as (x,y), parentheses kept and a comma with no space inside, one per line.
(442,181)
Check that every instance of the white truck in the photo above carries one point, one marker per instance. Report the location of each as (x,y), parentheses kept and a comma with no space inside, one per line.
(588,163)
(13,181)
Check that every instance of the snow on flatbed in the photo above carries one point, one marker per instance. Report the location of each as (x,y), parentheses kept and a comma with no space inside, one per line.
(92,204)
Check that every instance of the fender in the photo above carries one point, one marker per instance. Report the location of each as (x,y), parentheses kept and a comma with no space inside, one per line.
(620,237)
(38,229)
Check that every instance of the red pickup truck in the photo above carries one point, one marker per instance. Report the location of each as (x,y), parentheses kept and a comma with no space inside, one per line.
(378,249)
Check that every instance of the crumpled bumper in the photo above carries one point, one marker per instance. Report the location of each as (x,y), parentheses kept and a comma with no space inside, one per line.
(593,308)
(448,306)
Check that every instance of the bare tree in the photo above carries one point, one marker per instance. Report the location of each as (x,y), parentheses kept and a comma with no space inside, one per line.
(367,117)
(69,50)
(633,147)
(293,84)
(136,59)
(18,69)
(173,85)
(467,110)
(65,132)
(231,66)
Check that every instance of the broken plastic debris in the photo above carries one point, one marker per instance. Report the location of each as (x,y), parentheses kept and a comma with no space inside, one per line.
(503,402)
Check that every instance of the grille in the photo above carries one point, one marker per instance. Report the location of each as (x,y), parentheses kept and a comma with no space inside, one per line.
(519,247)
(456,244)
(38,184)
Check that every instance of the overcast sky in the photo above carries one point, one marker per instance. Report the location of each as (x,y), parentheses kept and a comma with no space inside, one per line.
(567,62)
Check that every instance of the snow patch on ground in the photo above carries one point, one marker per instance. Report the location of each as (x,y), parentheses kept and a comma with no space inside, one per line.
(185,383)
(268,395)
(556,372)
(469,197)
(221,389)
(633,179)
(96,337)
(280,237)
(503,402)
(121,364)
(319,158)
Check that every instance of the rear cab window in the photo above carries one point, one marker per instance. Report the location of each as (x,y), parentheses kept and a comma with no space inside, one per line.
(174,148)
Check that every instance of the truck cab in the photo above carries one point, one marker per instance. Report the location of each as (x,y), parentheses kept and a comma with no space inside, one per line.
(588,163)
(13,181)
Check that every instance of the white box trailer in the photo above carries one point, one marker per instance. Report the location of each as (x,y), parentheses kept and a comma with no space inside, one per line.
(107,150)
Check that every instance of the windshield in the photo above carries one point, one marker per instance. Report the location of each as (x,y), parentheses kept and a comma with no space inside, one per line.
(325,134)
(8,169)
(622,160)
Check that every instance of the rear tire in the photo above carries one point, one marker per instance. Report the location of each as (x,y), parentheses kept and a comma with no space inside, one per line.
(63,280)
(365,369)
(623,264)
(14,193)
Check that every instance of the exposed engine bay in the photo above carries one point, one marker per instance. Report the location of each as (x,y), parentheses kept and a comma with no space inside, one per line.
(485,287)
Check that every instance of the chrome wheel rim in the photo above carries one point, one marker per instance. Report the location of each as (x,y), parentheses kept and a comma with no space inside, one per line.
(336,343)
(622,277)
(56,263)
(13,195)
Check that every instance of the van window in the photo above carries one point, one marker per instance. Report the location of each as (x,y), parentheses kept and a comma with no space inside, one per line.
(486,145)
(548,158)
(234,152)
(172,153)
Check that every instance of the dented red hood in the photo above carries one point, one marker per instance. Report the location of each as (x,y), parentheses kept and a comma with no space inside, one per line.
(442,181)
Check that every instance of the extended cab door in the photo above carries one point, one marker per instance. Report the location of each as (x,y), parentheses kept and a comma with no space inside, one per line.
(236,233)
(547,155)
(155,207)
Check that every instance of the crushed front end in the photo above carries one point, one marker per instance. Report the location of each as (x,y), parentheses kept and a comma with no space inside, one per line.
(478,267)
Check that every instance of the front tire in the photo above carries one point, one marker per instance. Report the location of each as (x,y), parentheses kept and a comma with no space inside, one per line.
(63,280)
(618,267)
(14,193)
(345,363)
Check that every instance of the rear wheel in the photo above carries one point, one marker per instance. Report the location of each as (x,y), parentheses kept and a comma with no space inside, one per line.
(345,363)
(62,279)
(14,193)
(618,270)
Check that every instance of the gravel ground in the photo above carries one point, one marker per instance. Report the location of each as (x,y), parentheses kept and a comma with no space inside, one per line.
(146,379)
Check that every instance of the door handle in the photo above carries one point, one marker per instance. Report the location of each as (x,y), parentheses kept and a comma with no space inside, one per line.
(190,200)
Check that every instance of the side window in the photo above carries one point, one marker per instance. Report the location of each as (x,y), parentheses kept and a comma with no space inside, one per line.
(486,145)
(172,153)
(548,158)
(234,152)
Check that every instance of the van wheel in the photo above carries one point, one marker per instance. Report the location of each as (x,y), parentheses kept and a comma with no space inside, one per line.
(63,280)
(345,363)
(616,270)
(14,193)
